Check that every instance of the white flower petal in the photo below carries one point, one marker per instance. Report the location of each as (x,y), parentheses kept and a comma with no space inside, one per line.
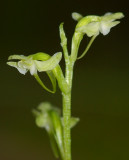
(28,64)
(90,29)
(22,68)
(33,69)
(106,26)
(22,71)
(15,65)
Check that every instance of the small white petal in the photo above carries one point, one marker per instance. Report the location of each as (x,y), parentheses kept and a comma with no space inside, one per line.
(22,71)
(15,65)
(33,69)
(90,29)
(104,28)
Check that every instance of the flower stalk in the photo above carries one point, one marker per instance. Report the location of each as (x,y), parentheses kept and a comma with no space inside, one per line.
(67,111)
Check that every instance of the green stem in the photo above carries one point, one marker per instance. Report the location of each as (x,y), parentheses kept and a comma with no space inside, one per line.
(67,132)
(67,111)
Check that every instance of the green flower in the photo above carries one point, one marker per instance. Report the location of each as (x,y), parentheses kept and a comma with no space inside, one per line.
(36,62)
(93,25)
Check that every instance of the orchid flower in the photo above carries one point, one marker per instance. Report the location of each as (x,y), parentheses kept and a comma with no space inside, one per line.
(93,25)
(37,62)
(48,117)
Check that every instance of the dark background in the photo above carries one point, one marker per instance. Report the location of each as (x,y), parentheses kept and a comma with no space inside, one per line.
(100,94)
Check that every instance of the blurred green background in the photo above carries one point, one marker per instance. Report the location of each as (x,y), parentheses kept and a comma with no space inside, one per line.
(100,94)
